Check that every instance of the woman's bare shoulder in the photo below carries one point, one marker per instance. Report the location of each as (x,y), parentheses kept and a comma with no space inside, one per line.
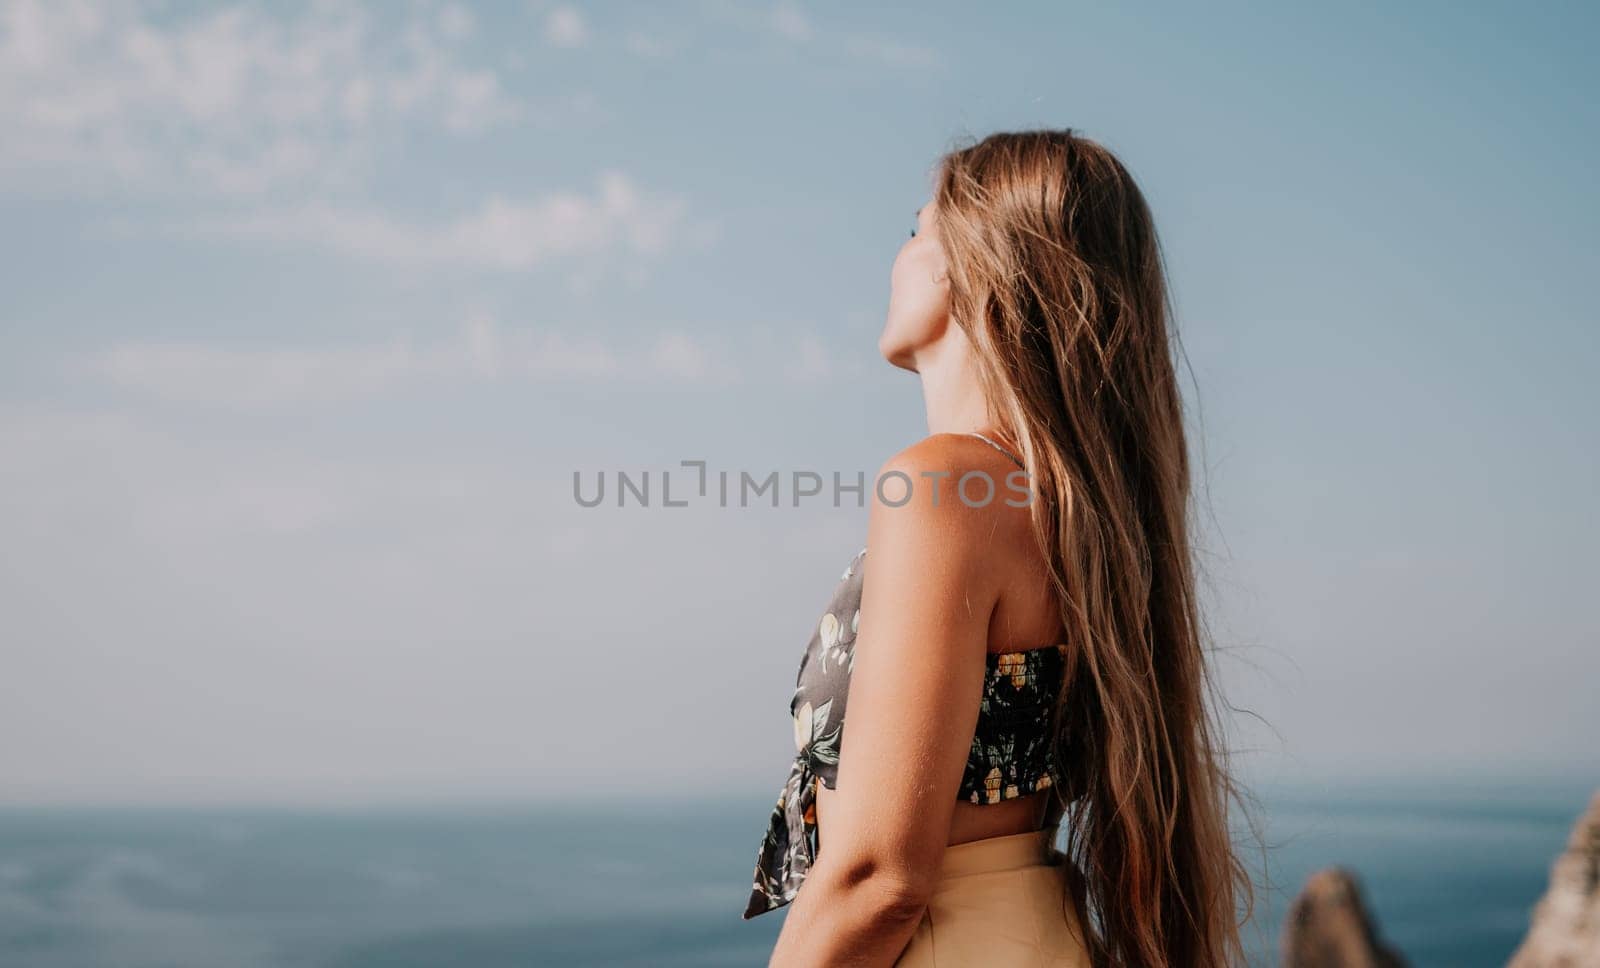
(944,550)
(954,482)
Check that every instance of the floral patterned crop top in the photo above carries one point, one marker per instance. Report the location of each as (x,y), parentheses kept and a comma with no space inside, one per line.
(1010,754)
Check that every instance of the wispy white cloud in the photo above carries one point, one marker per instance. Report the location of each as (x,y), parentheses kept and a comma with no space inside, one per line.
(503,234)
(456,21)
(190,372)
(652,43)
(565,27)
(889,51)
(811,362)
(679,355)
(233,100)
(210,374)
(790,23)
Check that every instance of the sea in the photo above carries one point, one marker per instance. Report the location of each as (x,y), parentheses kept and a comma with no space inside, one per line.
(1450,872)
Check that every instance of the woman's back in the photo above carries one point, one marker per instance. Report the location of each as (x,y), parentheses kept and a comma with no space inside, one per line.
(958,628)
(1025,614)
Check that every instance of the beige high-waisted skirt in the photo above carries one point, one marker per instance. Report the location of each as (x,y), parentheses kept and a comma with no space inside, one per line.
(1000,902)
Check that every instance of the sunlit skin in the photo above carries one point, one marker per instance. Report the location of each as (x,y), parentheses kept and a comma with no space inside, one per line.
(946,582)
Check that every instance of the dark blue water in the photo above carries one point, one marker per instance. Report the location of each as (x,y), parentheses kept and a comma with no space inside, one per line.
(1452,880)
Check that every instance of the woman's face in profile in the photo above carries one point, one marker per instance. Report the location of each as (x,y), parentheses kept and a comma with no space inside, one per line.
(919,294)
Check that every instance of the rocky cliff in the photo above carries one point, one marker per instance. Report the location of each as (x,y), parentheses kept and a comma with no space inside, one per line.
(1329,927)
(1566,923)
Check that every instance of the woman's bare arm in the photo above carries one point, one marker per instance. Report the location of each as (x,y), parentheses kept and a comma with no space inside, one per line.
(914,693)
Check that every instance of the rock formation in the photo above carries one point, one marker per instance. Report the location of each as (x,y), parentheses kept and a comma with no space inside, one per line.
(1566,923)
(1329,927)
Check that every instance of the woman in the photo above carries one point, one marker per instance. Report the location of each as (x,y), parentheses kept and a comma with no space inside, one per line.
(1024,666)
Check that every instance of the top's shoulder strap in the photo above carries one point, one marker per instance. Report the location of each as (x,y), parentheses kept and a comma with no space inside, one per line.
(1014,458)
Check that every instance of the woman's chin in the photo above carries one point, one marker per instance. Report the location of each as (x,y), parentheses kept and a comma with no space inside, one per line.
(899,358)
(895,352)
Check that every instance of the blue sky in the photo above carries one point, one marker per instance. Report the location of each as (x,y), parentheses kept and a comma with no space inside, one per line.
(311,311)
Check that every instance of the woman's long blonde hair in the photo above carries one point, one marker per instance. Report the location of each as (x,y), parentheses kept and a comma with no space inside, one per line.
(1056,276)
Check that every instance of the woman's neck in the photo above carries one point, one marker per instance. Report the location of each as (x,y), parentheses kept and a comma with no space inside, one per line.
(952,393)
